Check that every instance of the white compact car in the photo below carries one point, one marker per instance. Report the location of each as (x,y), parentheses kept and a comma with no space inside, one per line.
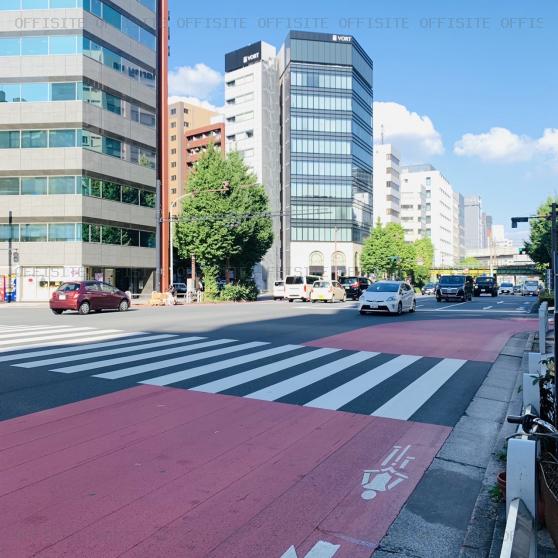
(278,290)
(394,297)
(531,288)
(328,291)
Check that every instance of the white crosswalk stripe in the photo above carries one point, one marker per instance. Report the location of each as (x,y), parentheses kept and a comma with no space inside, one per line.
(232,381)
(393,386)
(407,402)
(142,356)
(96,354)
(295,383)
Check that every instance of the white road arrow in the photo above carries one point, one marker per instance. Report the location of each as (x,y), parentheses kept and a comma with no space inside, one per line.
(321,549)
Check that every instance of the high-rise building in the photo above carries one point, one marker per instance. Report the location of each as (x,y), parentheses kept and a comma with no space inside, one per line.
(183,117)
(413,210)
(199,139)
(441,216)
(253,130)
(78,142)
(473,223)
(326,152)
(458,227)
(387,187)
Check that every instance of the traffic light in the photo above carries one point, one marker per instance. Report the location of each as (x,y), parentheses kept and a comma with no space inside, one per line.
(516,220)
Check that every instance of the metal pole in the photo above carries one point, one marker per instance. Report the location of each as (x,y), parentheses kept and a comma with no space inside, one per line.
(10,240)
(555,288)
(171,257)
(158,251)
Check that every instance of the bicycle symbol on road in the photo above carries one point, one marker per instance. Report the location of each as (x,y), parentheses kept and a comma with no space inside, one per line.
(389,475)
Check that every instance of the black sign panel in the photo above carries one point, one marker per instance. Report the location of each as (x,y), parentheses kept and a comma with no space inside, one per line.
(243,57)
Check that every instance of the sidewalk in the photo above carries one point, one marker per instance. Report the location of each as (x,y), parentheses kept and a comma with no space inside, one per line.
(451,512)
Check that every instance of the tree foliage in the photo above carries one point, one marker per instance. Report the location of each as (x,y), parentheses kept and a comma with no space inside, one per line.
(224,228)
(424,260)
(539,245)
(385,252)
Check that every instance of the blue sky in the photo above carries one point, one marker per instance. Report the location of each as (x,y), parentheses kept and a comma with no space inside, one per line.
(474,101)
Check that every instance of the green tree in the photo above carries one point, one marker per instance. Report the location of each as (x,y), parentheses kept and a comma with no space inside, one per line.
(385,252)
(470,262)
(424,260)
(539,245)
(221,225)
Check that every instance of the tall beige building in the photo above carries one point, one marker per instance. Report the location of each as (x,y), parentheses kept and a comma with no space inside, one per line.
(182,118)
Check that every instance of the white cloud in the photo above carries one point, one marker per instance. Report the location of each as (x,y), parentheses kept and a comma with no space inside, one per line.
(199,81)
(195,101)
(498,144)
(548,143)
(413,134)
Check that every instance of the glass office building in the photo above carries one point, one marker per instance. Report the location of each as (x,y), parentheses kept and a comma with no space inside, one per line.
(78,142)
(326,152)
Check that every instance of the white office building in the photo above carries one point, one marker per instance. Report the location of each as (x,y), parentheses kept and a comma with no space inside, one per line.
(438,212)
(78,143)
(253,129)
(387,187)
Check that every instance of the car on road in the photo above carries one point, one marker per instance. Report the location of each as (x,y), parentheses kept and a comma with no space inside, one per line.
(517,289)
(486,285)
(278,290)
(87,296)
(451,287)
(531,288)
(506,288)
(299,287)
(429,289)
(328,291)
(394,297)
(354,286)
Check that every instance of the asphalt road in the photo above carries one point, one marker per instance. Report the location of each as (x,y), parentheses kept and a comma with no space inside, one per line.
(231,430)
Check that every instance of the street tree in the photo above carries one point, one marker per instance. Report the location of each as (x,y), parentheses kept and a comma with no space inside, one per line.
(385,252)
(424,260)
(539,245)
(225,220)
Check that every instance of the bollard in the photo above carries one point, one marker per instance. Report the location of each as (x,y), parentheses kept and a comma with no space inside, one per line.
(543,327)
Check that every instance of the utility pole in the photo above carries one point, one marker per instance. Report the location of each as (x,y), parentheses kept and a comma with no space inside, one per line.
(10,241)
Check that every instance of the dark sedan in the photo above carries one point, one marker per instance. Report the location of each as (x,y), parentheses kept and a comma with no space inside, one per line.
(87,296)
(354,286)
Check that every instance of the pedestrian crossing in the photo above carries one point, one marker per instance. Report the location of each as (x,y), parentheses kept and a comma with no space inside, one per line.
(379,384)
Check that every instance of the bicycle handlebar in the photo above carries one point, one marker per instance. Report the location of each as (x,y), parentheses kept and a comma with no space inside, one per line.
(515,419)
(529,421)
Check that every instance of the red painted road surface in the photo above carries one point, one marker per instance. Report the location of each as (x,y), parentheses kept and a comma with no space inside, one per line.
(162,472)
(480,340)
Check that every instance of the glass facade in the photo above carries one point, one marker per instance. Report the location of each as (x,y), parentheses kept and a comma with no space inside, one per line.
(327,96)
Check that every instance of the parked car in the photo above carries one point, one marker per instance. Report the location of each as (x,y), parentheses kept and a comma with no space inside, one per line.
(87,296)
(506,288)
(278,290)
(328,291)
(354,286)
(299,286)
(455,287)
(486,285)
(429,289)
(531,288)
(180,288)
(394,297)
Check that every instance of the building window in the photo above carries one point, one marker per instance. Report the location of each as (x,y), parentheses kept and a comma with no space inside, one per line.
(173,178)
(173,111)
(173,190)
(186,124)
(173,165)
(173,124)
(173,138)
(173,151)
(186,111)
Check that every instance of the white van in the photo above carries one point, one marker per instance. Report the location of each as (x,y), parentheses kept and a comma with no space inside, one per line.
(278,290)
(299,286)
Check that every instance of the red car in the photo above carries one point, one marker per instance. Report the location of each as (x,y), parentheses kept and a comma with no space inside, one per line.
(87,296)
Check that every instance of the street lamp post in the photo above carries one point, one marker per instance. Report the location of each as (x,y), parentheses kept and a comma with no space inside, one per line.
(10,247)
